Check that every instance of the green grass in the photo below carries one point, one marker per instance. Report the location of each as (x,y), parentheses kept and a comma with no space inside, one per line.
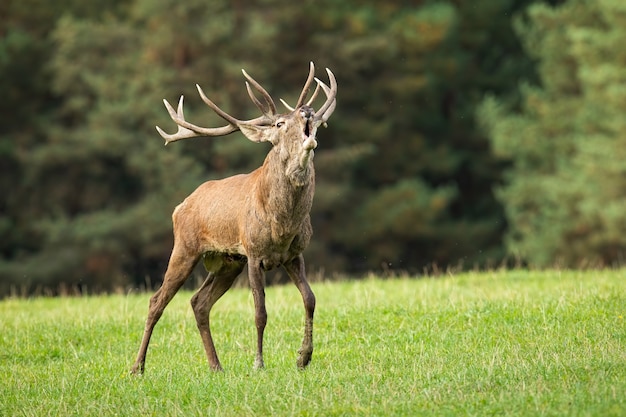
(500,343)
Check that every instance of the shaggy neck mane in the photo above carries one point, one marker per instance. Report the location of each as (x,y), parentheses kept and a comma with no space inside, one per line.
(286,189)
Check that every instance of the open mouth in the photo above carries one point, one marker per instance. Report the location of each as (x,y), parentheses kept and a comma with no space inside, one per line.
(308,140)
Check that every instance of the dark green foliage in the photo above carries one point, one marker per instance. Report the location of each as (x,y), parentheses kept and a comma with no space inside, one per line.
(412,76)
(92,201)
(405,176)
(564,196)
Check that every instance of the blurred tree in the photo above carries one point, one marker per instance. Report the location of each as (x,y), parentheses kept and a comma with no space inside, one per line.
(26,115)
(404,175)
(95,184)
(411,75)
(565,196)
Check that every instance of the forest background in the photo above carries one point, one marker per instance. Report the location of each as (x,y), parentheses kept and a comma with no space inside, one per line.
(468,133)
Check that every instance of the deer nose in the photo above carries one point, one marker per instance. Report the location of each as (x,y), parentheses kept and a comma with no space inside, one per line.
(307,112)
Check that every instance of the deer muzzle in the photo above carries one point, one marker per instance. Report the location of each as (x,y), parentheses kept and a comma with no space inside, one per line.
(308,134)
(307,112)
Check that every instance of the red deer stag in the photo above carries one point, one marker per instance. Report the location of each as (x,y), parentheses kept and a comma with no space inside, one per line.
(261,218)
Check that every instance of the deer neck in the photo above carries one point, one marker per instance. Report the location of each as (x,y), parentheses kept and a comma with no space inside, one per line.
(288,185)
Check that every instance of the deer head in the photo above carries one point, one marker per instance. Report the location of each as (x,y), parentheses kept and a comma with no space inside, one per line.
(293,133)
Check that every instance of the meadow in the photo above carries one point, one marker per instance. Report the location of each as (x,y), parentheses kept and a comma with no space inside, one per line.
(473,344)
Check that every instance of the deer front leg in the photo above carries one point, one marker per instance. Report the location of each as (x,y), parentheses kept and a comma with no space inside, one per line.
(296,271)
(257,284)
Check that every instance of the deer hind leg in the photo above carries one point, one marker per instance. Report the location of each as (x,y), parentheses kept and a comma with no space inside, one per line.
(178,270)
(223,269)
(257,284)
(296,271)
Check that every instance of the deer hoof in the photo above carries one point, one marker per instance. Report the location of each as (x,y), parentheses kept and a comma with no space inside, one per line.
(216,368)
(137,369)
(304,359)
(259,364)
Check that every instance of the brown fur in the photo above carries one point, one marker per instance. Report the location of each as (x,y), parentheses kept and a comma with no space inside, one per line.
(261,218)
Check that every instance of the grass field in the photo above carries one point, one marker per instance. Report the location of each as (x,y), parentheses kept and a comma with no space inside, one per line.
(499,343)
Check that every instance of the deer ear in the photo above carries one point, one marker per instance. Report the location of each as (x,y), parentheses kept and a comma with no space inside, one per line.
(255,133)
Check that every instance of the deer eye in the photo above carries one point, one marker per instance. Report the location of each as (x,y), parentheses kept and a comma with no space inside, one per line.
(280,124)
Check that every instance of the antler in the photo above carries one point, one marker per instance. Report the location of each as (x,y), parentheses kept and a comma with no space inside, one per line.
(307,84)
(188,130)
(305,90)
(327,109)
(266,96)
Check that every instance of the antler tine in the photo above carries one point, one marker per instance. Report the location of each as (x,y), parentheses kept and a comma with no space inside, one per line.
(264,93)
(255,100)
(187,130)
(230,119)
(308,103)
(287,106)
(326,115)
(261,120)
(314,96)
(328,107)
(307,85)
